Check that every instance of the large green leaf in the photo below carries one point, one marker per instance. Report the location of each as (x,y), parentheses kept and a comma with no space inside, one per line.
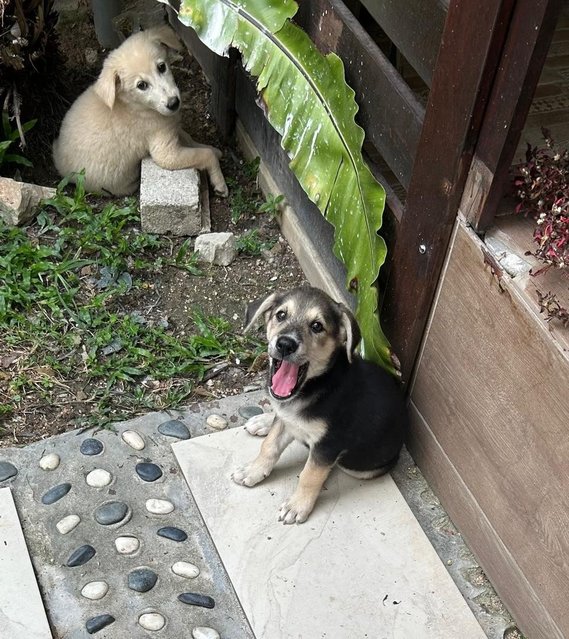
(309,103)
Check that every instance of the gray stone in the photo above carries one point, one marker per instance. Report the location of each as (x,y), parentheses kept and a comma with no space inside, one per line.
(81,556)
(216,248)
(91,446)
(7,470)
(174,428)
(55,494)
(170,201)
(111,513)
(249,411)
(195,599)
(19,201)
(175,534)
(99,622)
(148,472)
(142,579)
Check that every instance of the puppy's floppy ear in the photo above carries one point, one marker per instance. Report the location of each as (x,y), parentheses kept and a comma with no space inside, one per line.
(107,83)
(257,308)
(350,330)
(165,35)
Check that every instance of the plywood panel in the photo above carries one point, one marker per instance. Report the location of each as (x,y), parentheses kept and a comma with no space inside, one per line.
(492,387)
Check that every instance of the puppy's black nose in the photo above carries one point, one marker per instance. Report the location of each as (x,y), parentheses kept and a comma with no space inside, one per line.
(286,345)
(173,103)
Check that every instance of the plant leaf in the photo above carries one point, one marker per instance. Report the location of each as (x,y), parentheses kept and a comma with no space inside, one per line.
(308,102)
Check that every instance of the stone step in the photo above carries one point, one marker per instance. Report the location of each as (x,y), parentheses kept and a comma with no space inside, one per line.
(361,566)
(22,615)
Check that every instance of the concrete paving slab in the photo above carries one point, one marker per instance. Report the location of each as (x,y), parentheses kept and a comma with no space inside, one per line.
(360,567)
(22,615)
(80,521)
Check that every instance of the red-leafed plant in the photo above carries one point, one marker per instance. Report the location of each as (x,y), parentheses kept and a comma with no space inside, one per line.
(542,188)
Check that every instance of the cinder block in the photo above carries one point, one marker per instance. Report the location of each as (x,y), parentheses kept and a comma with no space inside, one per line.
(171,202)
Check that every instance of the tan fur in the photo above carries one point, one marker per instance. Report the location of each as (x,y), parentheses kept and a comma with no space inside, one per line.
(113,125)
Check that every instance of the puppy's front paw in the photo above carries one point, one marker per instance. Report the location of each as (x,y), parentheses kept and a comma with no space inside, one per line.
(295,510)
(250,475)
(221,189)
(260,425)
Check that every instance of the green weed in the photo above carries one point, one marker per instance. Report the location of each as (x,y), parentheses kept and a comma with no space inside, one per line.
(8,138)
(272,204)
(250,243)
(64,305)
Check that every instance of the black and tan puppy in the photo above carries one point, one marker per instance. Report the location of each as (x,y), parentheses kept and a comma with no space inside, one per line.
(347,411)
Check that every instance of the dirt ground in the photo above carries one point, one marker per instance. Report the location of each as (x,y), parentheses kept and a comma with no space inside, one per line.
(171,294)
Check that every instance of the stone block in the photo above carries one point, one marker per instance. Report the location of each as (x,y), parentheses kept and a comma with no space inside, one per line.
(216,248)
(19,200)
(171,201)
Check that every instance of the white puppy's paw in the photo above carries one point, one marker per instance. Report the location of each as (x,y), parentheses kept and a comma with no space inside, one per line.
(260,425)
(250,475)
(295,510)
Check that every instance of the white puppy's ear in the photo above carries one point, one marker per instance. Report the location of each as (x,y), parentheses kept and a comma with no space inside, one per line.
(257,308)
(165,35)
(350,330)
(107,83)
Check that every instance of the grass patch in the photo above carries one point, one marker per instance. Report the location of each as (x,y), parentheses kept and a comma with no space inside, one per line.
(67,330)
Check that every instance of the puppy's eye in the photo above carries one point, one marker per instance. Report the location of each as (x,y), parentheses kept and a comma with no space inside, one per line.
(316,327)
(281,315)
(161,66)
(142,85)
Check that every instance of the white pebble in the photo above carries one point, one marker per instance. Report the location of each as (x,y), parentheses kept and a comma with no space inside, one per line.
(185,569)
(127,545)
(159,506)
(50,461)
(152,621)
(217,422)
(95,590)
(98,478)
(205,633)
(133,439)
(67,524)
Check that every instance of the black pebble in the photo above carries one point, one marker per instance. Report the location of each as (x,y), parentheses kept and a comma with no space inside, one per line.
(55,494)
(148,471)
(111,513)
(175,534)
(142,579)
(99,622)
(194,599)
(174,428)
(7,470)
(250,411)
(91,446)
(81,556)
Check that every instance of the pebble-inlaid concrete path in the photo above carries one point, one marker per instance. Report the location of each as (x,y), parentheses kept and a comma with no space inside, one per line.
(115,537)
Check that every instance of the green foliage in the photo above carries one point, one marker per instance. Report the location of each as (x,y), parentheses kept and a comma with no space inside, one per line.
(309,103)
(64,300)
(9,138)
(250,243)
(272,204)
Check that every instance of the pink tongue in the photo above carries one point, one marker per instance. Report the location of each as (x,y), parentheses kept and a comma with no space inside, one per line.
(284,380)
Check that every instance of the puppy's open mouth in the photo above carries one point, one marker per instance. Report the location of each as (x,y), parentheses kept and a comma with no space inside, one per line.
(286,378)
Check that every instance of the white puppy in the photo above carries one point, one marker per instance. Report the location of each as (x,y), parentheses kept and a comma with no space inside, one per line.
(131,112)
